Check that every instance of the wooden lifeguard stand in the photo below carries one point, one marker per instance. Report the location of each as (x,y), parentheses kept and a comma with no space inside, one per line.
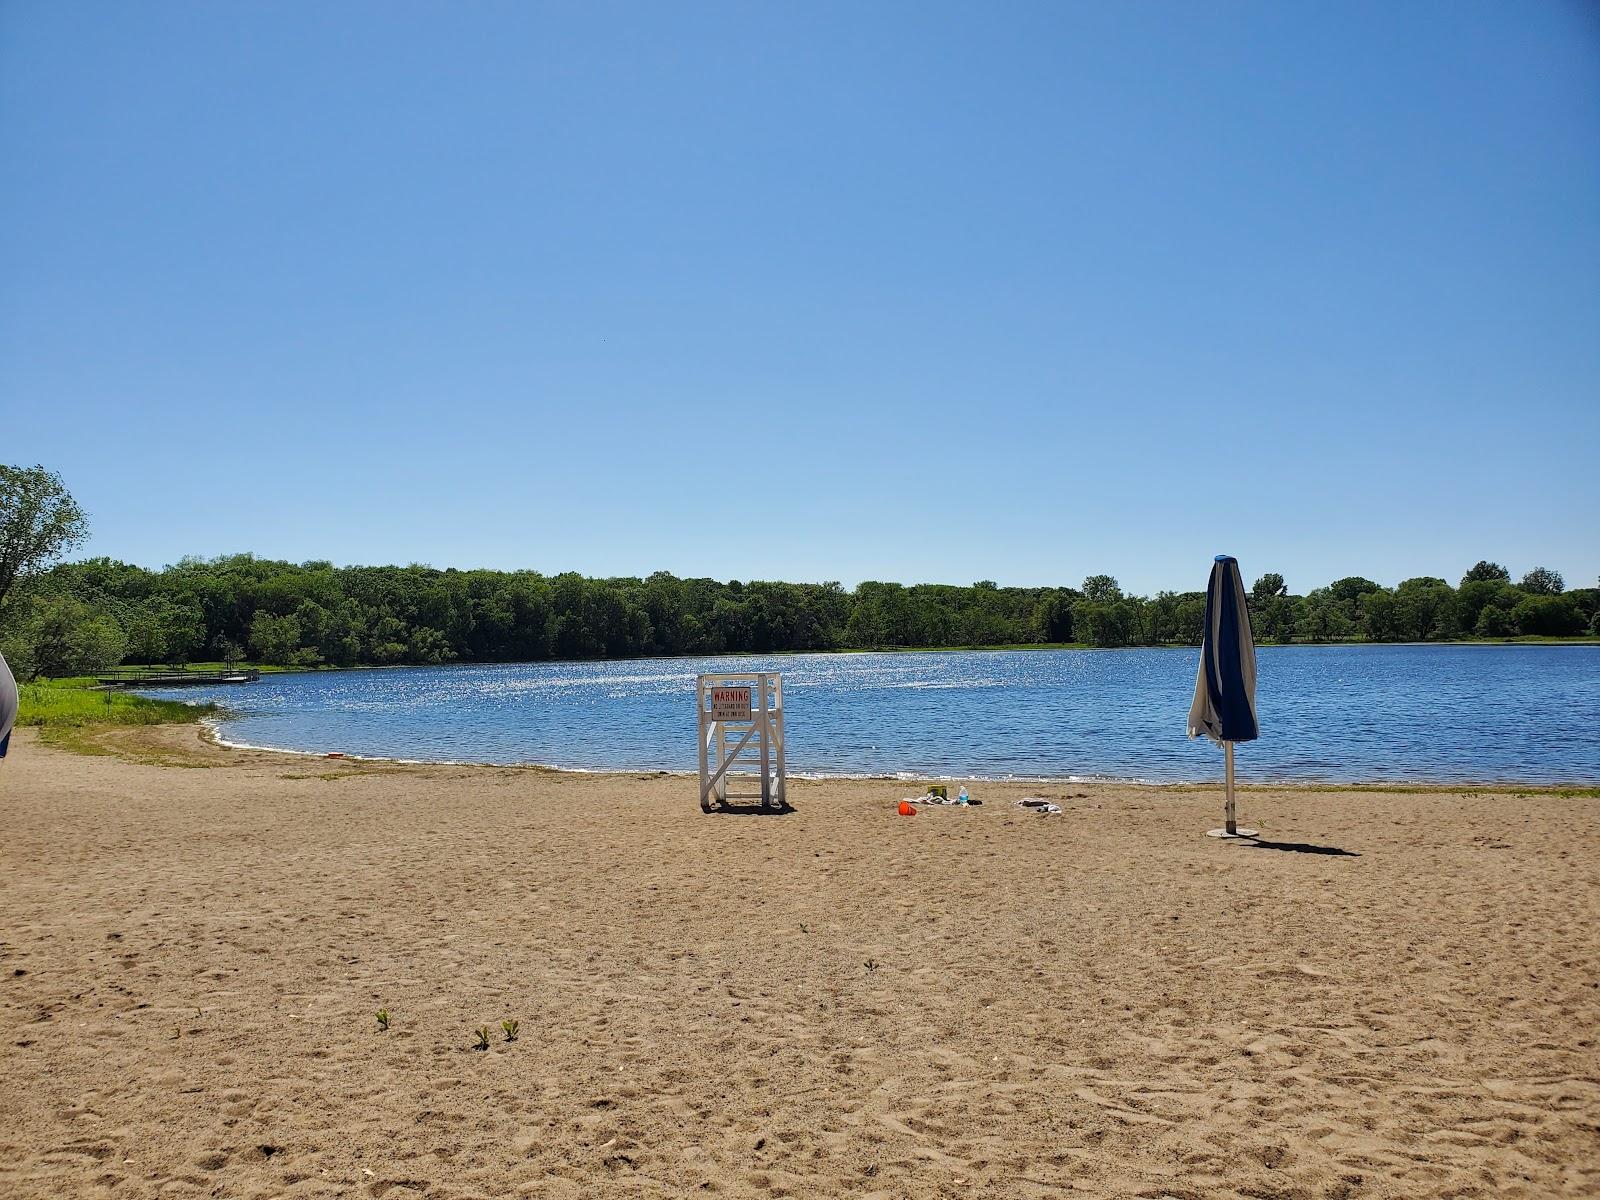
(741,738)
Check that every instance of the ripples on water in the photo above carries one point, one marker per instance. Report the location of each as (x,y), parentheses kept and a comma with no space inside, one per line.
(1338,713)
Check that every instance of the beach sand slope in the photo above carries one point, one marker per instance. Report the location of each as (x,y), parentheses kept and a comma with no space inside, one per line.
(836,1002)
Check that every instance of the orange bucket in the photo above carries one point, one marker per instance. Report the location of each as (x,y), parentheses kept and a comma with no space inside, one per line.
(907,809)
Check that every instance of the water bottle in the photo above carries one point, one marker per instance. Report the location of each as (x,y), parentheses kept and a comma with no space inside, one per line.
(962,798)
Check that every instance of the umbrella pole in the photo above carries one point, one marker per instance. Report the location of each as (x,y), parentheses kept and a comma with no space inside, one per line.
(1229,822)
(1230,827)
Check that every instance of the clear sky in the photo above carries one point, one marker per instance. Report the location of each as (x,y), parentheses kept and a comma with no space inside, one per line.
(811,291)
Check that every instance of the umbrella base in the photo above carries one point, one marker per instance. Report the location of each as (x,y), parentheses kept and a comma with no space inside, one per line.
(1223,833)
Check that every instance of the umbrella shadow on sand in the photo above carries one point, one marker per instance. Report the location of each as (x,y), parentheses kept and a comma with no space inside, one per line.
(1303,848)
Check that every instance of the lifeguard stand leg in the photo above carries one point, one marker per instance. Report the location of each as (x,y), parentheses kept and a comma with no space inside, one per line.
(766,753)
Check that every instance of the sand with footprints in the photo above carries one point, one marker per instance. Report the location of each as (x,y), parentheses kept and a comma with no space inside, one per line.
(836,1002)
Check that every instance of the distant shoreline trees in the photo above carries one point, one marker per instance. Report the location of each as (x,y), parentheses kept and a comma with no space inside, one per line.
(82,617)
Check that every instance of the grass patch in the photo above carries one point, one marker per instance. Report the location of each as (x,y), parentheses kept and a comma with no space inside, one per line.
(79,739)
(69,704)
(102,740)
(71,714)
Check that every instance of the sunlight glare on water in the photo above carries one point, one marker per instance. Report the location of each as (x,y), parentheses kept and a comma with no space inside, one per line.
(1335,713)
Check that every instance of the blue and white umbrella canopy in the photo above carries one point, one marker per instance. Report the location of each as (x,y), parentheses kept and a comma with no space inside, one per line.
(8,704)
(1224,707)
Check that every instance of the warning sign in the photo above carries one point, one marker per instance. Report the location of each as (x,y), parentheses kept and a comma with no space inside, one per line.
(730,704)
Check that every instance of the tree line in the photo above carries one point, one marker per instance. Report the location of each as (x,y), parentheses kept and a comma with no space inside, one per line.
(82,617)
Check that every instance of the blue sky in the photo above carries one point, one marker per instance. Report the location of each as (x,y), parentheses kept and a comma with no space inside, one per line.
(811,291)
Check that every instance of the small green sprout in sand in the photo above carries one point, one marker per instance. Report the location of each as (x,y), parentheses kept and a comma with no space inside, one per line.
(511,1028)
(383,1020)
(483,1039)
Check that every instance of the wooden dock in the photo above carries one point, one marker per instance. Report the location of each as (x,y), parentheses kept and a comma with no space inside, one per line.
(143,677)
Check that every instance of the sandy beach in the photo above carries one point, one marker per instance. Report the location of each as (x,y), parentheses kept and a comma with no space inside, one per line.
(835,1002)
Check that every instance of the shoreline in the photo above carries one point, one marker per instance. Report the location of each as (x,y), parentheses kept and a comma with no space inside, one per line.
(210,732)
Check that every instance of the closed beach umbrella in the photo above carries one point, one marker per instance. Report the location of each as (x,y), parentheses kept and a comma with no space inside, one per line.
(8,704)
(1224,707)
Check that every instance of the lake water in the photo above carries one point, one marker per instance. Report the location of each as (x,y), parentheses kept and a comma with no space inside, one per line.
(1335,713)
(1327,714)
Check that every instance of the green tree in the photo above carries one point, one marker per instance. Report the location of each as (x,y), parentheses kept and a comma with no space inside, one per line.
(162,630)
(274,639)
(428,646)
(1542,581)
(1548,616)
(1587,602)
(226,651)
(1275,619)
(57,634)
(1495,621)
(39,522)
(1379,617)
(1486,572)
(1477,594)
(1101,588)
(1426,609)
(1347,592)
(1190,619)
(1105,623)
(146,637)
(1161,615)
(1272,613)
(1323,618)
(1269,585)
(387,643)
